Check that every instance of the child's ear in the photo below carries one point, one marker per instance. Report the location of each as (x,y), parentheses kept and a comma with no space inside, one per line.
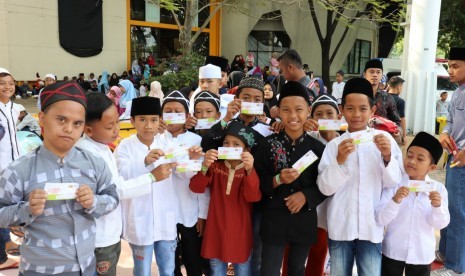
(218,115)
(310,111)
(88,130)
(41,119)
(373,109)
(432,167)
(132,120)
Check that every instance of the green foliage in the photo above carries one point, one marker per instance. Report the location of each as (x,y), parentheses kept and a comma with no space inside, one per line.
(451,25)
(188,65)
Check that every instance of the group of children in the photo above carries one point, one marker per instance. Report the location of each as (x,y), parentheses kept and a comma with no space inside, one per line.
(228,188)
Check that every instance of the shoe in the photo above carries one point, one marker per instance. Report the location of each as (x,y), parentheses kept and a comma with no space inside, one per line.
(444,272)
(10,263)
(439,257)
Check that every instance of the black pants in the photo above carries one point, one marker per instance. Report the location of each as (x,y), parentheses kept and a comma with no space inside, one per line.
(189,249)
(392,267)
(272,259)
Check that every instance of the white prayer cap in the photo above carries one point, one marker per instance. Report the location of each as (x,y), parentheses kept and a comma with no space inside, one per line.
(52,76)
(3,70)
(209,71)
(20,107)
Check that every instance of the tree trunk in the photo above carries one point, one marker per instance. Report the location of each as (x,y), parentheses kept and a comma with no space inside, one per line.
(325,63)
(185,36)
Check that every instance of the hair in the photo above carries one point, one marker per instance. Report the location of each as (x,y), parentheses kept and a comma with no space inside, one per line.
(340,72)
(291,57)
(443,92)
(97,103)
(2,75)
(395,81)
(370,100)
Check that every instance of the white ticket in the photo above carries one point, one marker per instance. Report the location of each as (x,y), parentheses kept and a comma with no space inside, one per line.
(206,123)
(174,118)
(420,186)
(329,124)
(61,191)
(252,108)
(176,152)
(305,161)
(362,136)
(229,153)
(189,166)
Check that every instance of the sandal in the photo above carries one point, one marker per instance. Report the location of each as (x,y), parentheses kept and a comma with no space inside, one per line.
(9,264)
(17,231)
(14,251)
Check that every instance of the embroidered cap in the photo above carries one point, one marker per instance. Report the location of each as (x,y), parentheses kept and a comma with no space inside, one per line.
(60,91)
(429,143)
(324,99)
(145,106)
(243,132)
(209,71)
(255,82)
(178,97)
(206,96)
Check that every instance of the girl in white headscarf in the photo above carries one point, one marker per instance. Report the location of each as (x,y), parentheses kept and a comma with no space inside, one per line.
(155,90)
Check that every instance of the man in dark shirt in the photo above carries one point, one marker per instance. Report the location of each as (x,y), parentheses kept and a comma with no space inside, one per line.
(396,84)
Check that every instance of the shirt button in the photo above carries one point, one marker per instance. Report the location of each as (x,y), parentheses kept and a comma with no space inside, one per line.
(271,197)
(292,190)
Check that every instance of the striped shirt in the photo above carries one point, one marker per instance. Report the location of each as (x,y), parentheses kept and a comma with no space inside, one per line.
(62,238)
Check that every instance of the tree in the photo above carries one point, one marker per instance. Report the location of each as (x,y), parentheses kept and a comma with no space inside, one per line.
(451,25)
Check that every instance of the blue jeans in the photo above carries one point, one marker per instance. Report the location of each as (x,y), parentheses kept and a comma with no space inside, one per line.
(366,254)
(164,256)
(452,243)
(4,238)
(220,268)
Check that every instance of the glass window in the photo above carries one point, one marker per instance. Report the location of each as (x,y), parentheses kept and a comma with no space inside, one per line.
(263,43)
(358,56)
(161,43)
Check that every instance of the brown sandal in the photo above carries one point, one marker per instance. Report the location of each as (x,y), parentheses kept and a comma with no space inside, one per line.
(17,231)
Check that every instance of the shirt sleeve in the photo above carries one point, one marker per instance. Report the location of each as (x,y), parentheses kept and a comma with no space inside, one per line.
(204,203)
(332,176)
(264,168)
(392,173)
(133,187)
(213,138)
(393,115)
(387,209)
(106,197)
(450,121)
(251,187)
(401,109)
(439,217)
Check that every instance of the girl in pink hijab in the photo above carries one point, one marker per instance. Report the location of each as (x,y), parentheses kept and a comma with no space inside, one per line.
(115,94)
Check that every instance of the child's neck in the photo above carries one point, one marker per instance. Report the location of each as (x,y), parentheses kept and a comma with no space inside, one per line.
(234,163)
(294,135)
(176,133)
(419,178)
(328,135)
(4,100)
(146,142)
(247,118)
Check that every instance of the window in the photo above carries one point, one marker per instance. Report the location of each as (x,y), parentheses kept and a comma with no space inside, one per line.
(161,43)
(358,56)
(263,43)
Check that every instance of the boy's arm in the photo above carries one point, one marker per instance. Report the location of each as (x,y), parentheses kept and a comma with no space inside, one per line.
(251,188)
(332,176)
(387,209)
(14,210)
(392,173)
(200,182)
(439,217)
(106,196)
(133,187)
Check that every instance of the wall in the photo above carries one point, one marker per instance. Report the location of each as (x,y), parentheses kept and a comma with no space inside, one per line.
(30,42)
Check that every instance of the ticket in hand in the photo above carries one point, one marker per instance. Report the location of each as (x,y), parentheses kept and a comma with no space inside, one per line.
(189,166)
(362,136)
(174,118)
(176,151)
(305,161)
(252,108)
(229,153)
(420,186)
(206,123)
(329,124)
(61,191)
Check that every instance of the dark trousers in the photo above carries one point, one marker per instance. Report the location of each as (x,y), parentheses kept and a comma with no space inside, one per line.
(272,259)
(189,248)
(390,267)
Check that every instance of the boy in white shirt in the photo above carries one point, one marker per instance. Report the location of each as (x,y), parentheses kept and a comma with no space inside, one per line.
(354,169)
(410,215)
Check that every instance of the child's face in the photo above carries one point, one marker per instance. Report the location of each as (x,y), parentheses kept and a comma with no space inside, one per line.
(325,112)
(49,81)
(418,163)
(268,91)
(233,142)
(22,114)
(251,95)
(339,78)
(212,85)
(204,110)
(146,127)
(122,88)
(63,124)
(105,130)
(357,111)
(294,111)
(174,107)
(7,88)
(444,96)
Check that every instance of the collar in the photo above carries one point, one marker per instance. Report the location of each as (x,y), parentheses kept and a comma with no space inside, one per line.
(231,174)
(252,124)
(97,144)
(52,157)
(299,140)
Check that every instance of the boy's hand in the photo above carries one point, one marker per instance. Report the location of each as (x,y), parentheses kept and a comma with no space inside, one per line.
(191,122)
(288,176)
(161,126)
(233,108)
(195,152)
(153,156)
(276,127)
(345,148)
(247,159)
(445,141)
(210,157)
(435,198)
(163,171)
(200,226)
(401,193)
(295,202)
(85,196)
(384,146)
(37,200)
(310,125)
(274,112)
